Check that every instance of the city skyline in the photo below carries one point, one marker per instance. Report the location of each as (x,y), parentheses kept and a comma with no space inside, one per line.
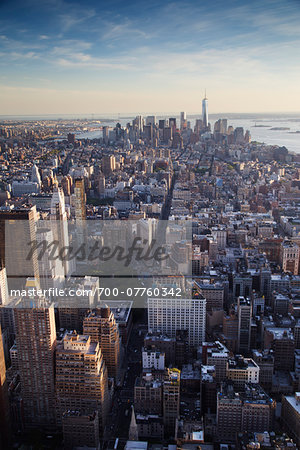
(150,281)
(63,58)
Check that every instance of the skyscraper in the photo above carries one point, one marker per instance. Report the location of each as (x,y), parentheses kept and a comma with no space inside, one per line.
(108,164)
(167,315)
(205,111)
(183,122)
(105,131)
(35,174)
(4,405)
(150,120)
(244,310)
(3,287)
(101,326)
(59,225)
(79,191)
(17,230)
(101,185)
(51,271)
(80,211)
(171,400)
(36,340)
(81,377)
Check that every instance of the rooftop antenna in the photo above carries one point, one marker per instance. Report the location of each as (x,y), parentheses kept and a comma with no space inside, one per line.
(205,93)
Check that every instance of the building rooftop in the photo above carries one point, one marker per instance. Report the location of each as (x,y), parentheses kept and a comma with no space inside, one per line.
(136,445)
(77,343)
(216,349)
(147,380)
(294,401)
(281,333)
(241,363)
(189,372)
(208,373)
(120,309)
(252,393)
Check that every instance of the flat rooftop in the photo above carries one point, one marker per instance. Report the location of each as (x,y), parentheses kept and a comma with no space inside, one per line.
(293,401)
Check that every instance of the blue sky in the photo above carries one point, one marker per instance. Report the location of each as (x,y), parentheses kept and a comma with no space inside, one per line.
(75,57)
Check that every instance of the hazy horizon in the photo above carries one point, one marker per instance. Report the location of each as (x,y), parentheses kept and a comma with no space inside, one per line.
(115,115)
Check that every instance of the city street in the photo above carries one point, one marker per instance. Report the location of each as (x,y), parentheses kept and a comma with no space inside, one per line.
(119,418)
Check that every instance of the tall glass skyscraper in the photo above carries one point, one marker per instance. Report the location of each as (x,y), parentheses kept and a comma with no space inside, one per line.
(205,111)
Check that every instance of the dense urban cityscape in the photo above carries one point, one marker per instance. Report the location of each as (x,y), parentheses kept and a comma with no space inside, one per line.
(197,346)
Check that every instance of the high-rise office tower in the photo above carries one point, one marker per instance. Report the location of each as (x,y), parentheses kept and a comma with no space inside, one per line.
(247,137)
(297,334)
(108,164)
(79,191)
(183,122)
(80,210)
(167,134)
(17,231)
(223,128)
(167,315)
(101,185)
(59,225)
(36,340)
(172,123)
(66,185)
(198,126)
(205,111)
(238,135)
(281,341)
(51,271)
(35,175)
(244,312)
(138,122)
(3,287)
(148,132)
(242,284)
(162,123)
(105,134)
(171,400)
(213,293)
(4,404)
(6,313)
(72,310)
(101,326)
(58,210)
(220,126)
(81,377)
(151,120)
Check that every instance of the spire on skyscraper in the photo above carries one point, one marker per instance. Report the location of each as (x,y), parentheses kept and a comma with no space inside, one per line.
(205,111)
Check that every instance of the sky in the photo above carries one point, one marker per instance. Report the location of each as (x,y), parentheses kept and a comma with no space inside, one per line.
(98,57)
